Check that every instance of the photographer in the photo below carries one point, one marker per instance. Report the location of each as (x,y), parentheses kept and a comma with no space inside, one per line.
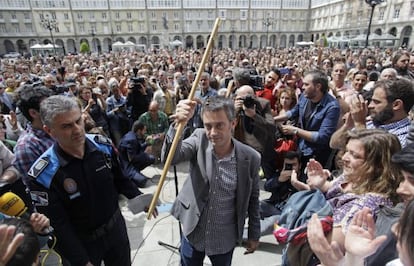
(117,113)
(139,96)
(280,187)
(255,126)
(92,104)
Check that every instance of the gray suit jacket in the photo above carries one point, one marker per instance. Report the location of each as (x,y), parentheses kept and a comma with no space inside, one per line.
(193,196)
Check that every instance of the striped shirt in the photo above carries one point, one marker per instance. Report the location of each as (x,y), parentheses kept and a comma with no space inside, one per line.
(216,232)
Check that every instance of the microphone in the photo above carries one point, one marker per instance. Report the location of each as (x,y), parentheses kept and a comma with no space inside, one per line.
(13,205)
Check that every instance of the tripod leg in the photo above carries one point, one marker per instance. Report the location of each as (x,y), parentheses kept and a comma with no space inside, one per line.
(161,243)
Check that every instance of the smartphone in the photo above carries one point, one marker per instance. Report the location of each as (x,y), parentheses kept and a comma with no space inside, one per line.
(284,71)
(288,166)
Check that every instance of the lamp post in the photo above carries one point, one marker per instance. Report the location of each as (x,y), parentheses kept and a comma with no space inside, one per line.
(233,29)
(93,39)
(49,24)
(373,4)
(267,23)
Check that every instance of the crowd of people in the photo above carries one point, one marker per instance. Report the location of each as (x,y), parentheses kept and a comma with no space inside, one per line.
(81,128)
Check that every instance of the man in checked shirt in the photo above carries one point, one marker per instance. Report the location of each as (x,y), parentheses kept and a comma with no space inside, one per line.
(222,187)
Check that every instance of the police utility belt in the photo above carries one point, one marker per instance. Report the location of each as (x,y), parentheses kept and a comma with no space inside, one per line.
(103,229)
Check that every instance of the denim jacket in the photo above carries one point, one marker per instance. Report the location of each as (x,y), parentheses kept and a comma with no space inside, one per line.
(322,123)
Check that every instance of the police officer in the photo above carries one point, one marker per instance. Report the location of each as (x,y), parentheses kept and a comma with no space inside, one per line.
(76,184)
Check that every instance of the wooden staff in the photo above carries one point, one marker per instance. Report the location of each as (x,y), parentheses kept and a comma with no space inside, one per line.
(230,88)
(181,126)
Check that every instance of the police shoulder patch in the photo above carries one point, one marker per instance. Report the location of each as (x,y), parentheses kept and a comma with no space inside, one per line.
(102,140)
(38,167)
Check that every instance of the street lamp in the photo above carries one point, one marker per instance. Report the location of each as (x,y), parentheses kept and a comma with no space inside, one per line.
(373,4)
(49,24)
(232,37)
(267,23)
(93,39)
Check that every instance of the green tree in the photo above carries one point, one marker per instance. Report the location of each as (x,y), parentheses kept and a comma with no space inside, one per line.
(84,47)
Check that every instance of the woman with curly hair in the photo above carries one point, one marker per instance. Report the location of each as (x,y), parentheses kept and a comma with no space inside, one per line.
(368,179)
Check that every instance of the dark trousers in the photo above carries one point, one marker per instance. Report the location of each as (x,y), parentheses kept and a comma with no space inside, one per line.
(113,248)
(192,257)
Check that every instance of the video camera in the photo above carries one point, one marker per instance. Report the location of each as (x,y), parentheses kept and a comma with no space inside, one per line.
(59,89)
(136,82)
(256,82)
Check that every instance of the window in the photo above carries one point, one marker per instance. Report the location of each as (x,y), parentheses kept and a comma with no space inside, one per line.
(66,16)
(176,27)
(153,15)
(92,16)
(396,12)
(176,15)
(243,14)
(222,14)
(104,16)
(3,27)
(28,27)
(381,13)
(359,16)
(154,27)
(80,16)
(13,15)
(53,13)
(26,15)
(130,27)
(412,9)
(117,15)
(81,27)
(141,27)
(254,25)
(129,15)
(118,28)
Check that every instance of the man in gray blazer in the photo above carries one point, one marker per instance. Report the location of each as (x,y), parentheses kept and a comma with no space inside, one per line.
(222,187)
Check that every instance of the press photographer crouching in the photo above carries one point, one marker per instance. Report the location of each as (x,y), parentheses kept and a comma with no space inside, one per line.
(255,126)
(280,187)
(139,95)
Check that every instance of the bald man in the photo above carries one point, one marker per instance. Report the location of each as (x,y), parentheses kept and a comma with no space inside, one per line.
(255,126)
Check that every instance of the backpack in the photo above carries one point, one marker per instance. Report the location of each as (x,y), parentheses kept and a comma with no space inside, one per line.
(292,225)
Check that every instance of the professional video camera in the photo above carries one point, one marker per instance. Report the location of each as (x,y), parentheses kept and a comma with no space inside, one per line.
(60,89)
(256,82)
(136,82)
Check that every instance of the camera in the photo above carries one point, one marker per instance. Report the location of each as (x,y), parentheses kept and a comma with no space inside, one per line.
(136,82)
(60,89)
(256,82)
(249,101)
(288,166)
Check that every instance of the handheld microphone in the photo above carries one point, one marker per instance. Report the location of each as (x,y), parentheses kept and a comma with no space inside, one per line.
(13,205)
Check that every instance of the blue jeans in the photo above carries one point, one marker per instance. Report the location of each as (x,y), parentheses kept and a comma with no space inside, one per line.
(192,257)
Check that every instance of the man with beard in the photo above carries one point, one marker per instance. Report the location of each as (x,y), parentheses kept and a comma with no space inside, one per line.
(318,113)
(400,62)
(388,109)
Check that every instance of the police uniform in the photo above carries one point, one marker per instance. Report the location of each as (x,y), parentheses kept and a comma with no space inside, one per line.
(80,196)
